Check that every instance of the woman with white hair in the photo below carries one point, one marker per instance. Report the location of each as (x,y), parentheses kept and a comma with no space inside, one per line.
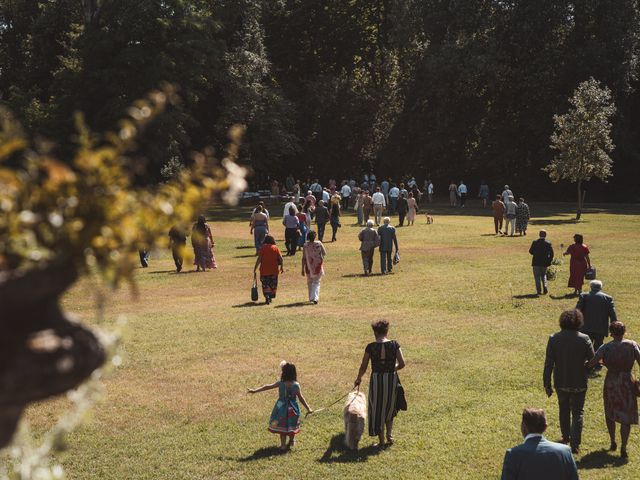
(369,240)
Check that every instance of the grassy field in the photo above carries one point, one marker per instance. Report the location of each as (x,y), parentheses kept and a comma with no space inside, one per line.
(459,304)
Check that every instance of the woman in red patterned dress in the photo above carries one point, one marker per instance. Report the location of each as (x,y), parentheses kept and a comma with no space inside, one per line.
(580,262)
(620,400)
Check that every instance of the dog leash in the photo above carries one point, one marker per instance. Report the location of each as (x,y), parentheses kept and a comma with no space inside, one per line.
(332,404)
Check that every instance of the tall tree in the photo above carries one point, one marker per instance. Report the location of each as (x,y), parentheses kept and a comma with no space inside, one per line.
(582,138)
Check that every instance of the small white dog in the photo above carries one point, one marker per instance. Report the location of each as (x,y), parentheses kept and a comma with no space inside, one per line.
(355,416)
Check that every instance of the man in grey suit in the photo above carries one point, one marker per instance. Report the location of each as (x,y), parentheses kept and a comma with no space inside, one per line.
(567,352)
(388,240)
(599,312)
(538,458)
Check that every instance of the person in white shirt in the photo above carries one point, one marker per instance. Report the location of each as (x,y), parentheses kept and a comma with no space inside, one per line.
(506,194)
(462,193)
(394,193)
(379,203)
(326,196)
(287,206)
(412,183)
(430,190)
(345,193)
(510,214)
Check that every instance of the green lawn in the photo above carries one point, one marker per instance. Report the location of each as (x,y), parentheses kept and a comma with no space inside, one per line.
(177,408)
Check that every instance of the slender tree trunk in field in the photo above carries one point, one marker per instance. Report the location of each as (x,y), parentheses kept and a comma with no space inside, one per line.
(579,213)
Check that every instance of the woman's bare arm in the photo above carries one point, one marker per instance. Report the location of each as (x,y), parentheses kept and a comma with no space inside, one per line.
(588,261)
(263,388)
(363,368)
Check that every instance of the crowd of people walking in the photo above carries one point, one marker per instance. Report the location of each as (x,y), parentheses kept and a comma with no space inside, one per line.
(573,354)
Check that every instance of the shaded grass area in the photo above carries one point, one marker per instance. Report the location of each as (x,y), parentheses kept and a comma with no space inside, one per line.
(460,305)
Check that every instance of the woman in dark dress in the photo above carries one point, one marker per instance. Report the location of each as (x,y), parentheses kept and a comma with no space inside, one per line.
(620,400)
(579,264)
(334,220)
(386,359)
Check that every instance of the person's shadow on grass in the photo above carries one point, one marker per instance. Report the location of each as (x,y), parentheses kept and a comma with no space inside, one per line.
(293,305)
(601,459)
(526,295)
(248,304)
(261,453)
(337,452)
(563,297)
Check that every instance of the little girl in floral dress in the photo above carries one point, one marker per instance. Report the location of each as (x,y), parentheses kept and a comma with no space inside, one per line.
(285,417)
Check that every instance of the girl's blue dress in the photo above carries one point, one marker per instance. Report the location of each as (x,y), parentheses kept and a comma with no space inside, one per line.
(285,417)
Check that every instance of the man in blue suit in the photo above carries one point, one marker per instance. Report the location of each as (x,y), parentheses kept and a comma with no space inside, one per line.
(538,458)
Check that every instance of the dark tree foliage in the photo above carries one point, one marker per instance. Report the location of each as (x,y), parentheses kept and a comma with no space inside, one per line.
(446,88)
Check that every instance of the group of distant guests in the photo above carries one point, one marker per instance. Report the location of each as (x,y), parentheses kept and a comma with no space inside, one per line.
(514,216)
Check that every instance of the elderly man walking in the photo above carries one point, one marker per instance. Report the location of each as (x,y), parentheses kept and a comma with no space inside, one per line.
(388,239)
(599,312)
(379,203)
(567,352)
(538,458)
(542,253)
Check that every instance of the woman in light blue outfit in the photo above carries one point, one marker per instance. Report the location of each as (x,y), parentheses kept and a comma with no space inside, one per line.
(285,417)
(259,227)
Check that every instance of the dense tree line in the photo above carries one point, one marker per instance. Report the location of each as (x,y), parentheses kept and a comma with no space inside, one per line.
(445,88)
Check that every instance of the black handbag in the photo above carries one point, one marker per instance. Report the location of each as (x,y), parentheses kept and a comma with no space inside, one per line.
(590,274)
(254,290)
(401,400)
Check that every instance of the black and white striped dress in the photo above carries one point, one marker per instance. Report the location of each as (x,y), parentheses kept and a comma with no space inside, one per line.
(382,385)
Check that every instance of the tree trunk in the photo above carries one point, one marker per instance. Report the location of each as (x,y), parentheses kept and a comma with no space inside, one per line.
(579,212)
(42,352)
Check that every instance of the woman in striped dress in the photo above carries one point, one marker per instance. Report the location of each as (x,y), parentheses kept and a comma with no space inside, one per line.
(386,359)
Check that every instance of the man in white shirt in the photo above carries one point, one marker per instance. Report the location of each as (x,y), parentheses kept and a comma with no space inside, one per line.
(394,193)
(430,190)
(345,193)
(506,194)
(379,203)
(462,193)
(287,206)
(326,196)
(412,183)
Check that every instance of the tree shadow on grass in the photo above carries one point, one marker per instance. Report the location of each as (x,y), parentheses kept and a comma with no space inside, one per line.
(261,453)
(601,459)
(248,304)
(562,221)
(293,305)
(337,452)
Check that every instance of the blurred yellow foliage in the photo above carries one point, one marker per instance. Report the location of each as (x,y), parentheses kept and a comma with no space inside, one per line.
(88,213)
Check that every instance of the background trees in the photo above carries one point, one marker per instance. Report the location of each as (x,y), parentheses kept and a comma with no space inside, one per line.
(445,88)
(582,138)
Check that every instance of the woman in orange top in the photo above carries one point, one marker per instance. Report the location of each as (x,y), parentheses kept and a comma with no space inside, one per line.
(271,265)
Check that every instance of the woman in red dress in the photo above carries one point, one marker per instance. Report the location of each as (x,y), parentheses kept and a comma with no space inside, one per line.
(580,262)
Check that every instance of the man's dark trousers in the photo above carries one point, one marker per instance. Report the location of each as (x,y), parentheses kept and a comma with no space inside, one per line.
(571,406)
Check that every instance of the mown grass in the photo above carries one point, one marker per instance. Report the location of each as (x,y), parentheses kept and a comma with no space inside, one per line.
(178,407)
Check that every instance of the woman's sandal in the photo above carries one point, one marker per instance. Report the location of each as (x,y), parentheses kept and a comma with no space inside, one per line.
(390,440)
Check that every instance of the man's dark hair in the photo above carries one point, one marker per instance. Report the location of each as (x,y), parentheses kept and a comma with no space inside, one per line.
(311,236)
(617,328)
(571,320)
(534,419)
